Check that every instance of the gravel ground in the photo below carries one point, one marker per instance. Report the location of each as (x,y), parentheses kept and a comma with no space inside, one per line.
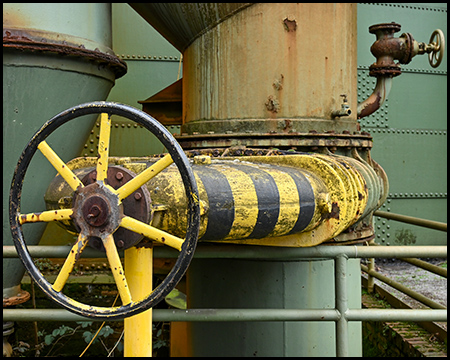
(422,281)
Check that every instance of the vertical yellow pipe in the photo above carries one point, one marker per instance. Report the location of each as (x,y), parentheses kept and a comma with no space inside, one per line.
(138,328)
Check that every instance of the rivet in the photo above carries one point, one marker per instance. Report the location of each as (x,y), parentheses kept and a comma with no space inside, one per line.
(119,176)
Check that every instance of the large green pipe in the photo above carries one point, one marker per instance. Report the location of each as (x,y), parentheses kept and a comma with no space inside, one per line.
(55,55)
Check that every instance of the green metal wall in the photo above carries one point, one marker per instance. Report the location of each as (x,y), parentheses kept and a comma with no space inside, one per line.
(153,64)
(410,129)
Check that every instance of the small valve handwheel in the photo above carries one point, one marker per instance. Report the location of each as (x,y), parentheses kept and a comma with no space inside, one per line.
(98,210)
(437,40)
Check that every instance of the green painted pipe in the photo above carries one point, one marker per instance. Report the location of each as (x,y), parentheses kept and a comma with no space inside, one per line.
(258,252)
(209,315)
(412,220)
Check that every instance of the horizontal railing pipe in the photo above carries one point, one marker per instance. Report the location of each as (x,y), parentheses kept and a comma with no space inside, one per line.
(422,264)
(412,220)
(415,295)
(206,251)
(396,315)
(426,266)
(209,315)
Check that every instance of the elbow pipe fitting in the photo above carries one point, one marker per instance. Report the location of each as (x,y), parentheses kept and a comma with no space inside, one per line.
(377,98)
(386,49)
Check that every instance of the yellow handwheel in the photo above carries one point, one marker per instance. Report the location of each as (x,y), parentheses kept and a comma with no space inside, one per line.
(98,210)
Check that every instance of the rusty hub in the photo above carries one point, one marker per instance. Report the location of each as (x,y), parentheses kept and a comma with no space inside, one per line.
(96,210)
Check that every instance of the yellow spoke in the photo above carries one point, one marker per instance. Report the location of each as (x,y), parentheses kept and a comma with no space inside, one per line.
(151,232)
(135,183)
(103,147)
(117,269)
(67,268)
(46,216)
(60,166)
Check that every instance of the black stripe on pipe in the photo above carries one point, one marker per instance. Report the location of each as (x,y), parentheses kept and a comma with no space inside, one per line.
(268,200)
(221,203)
(306,198)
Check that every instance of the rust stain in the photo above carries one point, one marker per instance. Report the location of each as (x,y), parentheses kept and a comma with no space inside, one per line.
(334,213)
(371,106)
(287,125)
(290,25)
(272,104)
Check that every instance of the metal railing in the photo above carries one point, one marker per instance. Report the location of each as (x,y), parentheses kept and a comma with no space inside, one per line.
(372,274)
(341,314)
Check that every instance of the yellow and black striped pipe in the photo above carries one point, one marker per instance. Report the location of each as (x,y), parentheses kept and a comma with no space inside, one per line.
(292,200)
(295,200)
(251,201)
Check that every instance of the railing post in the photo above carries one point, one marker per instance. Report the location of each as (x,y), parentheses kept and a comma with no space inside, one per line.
(340,270)
(370,278)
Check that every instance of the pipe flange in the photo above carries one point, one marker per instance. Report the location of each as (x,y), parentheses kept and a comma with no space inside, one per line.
(384,70)
(96,210)
(408,52)
(17,299)
(394,27)
(137,206)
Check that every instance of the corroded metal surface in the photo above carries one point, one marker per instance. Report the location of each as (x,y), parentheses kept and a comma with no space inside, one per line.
(20,297)
(137,206)
(24,40)
(287,138)
(271,62)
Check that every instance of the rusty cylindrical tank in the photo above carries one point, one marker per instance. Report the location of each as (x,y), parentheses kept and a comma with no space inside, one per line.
(263,74)
(55,56)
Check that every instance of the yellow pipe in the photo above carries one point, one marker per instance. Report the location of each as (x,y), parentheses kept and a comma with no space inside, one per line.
(138,328)
(151,232)
(70,262)
(103,147)
(46,216)
(143,177)
(117,270)
(60,166)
